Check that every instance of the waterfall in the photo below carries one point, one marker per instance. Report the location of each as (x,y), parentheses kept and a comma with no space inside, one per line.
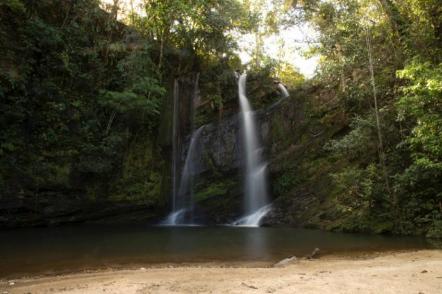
(283,90)
(182,213)
(185,192)
(254,219)
(183,116)
(174,218)
(255,177)
(175,149)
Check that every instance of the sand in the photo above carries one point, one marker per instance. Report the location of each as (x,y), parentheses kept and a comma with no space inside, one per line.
(401,272)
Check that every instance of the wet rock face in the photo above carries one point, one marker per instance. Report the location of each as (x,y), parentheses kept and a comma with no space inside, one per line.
(221,142)
(293,136)
(67,209)
(220,146)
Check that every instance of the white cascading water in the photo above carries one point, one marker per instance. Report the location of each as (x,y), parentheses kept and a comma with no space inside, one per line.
(185,191)
(175,123)
(174,218)
(283,90)
(254,219)
(183,200)
(255,184)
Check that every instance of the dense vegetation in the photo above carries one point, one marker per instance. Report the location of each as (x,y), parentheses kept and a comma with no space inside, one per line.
(84,97)
(81,97)
(380,74)
(72,112)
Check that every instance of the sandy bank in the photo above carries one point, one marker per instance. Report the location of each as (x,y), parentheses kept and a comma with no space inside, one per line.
(410,272)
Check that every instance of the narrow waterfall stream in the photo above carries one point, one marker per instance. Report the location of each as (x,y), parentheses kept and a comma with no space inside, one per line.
(283,90)
(182,213)
(175,151)
(255,178)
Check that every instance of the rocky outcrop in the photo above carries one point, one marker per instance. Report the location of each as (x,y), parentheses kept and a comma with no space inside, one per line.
(220,147)
(219,188)
(222,142)
(291,137)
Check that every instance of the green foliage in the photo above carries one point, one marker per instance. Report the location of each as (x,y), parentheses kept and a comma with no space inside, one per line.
(422,102)
(354,189)
(14,5)
(218,188)
(358,143)
(284,183)
(355,202)
(261,86)
(198,28)
(404,41)
(289,75)
(74,93)
(419,189)
(140,180)
(436,230)
(420,108)
(141,90)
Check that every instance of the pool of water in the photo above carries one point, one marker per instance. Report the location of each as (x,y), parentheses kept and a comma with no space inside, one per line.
(52,250)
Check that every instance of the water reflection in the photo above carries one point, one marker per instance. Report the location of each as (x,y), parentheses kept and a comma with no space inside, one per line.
(85,247)
(256,243)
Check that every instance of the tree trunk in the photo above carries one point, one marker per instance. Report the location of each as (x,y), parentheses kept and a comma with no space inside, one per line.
(109,123)
(382,155)
(160,61)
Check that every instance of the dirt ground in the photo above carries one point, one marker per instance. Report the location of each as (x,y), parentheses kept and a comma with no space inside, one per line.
(417,272)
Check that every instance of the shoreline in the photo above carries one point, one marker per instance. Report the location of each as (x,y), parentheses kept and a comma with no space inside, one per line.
(376,272)
(116,267)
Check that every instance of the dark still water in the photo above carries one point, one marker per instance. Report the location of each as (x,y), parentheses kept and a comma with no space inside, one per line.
(49,250)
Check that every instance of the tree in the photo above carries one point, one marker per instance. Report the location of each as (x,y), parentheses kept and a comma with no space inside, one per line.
(202,28)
